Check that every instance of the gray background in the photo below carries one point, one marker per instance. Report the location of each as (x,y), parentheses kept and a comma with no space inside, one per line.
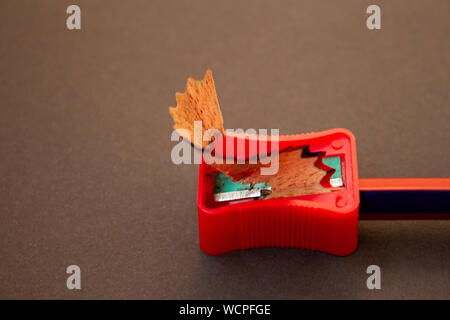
(85,170)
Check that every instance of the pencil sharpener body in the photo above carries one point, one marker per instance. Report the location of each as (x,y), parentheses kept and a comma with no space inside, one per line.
(326,222)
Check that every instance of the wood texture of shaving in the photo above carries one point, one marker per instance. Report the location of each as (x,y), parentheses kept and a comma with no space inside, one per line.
(198,103)
(296,176)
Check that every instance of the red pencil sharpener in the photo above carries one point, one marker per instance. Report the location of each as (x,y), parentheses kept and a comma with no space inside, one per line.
(325,222)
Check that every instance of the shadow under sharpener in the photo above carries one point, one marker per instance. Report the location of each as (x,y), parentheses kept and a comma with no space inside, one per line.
(326,222)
